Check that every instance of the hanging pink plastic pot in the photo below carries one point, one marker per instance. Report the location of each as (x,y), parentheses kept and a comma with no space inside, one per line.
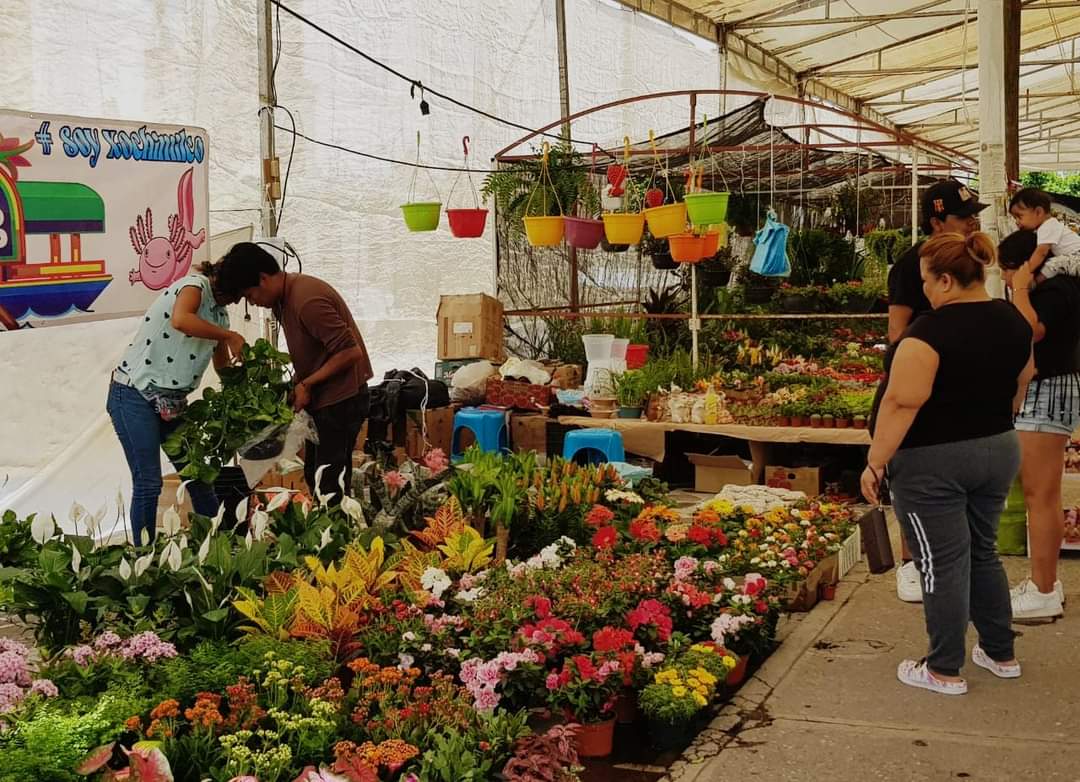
(583,233)
(467,223)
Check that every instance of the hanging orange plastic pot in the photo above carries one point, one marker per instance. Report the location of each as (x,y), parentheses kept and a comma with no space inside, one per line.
(687,248)
(667,220)
(712,243)
(623,228)
(544,231)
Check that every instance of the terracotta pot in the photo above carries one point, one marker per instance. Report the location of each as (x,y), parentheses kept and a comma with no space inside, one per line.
(783,421)
(842,423)
(738,673)
(815,421)
(828,422)
(827,591)
(626,707)
(595,740)
(859,423)
(798,420)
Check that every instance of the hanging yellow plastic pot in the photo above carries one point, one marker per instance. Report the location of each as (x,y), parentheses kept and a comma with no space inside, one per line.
(623,228)
(667,220)
(544,231)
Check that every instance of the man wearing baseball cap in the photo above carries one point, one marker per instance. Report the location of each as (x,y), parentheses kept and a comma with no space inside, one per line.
(947,207)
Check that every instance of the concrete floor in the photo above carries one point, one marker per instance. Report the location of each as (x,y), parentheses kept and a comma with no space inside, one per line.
(827,705)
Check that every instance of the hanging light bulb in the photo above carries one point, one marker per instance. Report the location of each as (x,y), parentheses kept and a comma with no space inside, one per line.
(425,109)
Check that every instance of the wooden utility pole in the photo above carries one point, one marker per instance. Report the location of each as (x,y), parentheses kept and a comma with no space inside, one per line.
(268,175)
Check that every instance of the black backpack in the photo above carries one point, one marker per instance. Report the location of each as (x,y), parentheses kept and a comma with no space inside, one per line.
(400,391)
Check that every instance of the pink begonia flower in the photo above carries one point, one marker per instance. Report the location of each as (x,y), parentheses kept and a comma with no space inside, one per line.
(436,461)
(487,699)
(44,688)
(685,567)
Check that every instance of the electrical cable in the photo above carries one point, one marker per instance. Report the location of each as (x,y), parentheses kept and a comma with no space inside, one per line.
(416,83)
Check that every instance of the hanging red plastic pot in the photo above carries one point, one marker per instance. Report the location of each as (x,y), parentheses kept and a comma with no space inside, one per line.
(466,223)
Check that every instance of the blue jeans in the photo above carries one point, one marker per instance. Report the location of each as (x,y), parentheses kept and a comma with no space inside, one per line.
(142,431)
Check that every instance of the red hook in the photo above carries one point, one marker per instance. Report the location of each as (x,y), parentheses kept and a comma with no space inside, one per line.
(465,145)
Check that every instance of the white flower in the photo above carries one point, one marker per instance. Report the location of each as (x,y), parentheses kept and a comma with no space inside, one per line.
(453,652)
(143,563)
(42,528)
(170,555)
(76,559)
(408,636)
(124,569)
(204,549)
(435,581)
(425,648)
(405,661)
(324,539)
(729,584)
(755,561)
(469,595)
(241,510)
(77,512)
(354,510)
(260,520)
(280,500)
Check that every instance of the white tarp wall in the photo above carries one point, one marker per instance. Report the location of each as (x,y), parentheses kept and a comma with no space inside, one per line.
(194,62)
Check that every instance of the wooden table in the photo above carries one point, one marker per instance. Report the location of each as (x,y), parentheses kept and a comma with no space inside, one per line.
(646,438)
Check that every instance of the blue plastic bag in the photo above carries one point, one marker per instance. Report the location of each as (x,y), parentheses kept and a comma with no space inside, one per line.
(770,249)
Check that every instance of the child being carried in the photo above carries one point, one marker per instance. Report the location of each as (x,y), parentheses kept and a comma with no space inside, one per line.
(1031,209)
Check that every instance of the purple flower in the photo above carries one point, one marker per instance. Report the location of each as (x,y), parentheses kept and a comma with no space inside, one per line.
(146,647)
(11,645)
(10,696)
(82,655)
(14,669)
(44,688)
(107,641)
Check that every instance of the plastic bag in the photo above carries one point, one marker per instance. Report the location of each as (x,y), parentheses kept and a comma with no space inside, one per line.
(469,383)
(521,369)
(770,253)
(275,445)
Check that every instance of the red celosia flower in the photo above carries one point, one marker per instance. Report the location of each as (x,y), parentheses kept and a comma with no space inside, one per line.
(644,530)
(605,537)
(599,516)
(700,535)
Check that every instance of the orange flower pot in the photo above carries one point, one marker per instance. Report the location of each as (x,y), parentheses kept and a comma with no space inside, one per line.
(687,248)
(597,739)
(738,673)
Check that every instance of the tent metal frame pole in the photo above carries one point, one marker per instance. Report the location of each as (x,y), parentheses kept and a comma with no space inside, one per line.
(564,107)
(267,153)
(914,194)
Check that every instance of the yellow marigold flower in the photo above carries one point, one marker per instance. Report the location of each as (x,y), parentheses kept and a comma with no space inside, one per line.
(679,691)
(730,662)
(699,699)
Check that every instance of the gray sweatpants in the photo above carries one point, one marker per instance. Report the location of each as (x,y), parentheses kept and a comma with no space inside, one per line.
(948,499)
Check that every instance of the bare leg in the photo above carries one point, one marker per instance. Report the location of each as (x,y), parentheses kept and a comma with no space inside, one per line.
(1040,473)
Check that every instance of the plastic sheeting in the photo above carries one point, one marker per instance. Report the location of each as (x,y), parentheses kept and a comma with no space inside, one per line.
(195,62)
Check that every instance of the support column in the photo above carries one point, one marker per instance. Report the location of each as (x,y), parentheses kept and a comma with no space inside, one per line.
(267,156)
(992,127)
(564,108)
(1011,22)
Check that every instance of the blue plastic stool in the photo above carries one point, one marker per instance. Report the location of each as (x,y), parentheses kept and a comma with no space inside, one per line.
(599,445)
(487,426)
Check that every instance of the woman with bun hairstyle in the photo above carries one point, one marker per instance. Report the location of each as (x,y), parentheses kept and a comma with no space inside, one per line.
(944,434)
(1048,417)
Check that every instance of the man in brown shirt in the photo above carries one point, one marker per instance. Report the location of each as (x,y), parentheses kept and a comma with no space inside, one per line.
(330,361)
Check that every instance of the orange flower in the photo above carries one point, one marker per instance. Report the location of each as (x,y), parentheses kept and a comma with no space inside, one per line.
(165,710)
(133,724)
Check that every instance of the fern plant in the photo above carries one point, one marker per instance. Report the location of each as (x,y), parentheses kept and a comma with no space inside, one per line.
(522,189)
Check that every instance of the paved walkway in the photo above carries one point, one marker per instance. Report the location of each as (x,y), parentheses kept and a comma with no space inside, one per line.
(827,706)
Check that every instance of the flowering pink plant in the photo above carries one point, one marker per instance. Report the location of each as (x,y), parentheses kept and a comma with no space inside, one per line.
(481,678)
(653,619)
(584,690)
(394,481)
(436,461)
(16,677)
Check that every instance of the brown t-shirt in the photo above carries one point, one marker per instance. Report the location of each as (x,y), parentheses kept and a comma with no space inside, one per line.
(317,324)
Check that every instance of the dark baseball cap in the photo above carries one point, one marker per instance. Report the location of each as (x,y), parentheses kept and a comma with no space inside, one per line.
(949,197)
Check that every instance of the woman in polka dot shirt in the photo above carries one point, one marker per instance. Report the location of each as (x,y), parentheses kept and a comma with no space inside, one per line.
(184,329)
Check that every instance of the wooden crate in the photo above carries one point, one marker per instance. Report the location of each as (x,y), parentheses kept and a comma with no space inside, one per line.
(470,326)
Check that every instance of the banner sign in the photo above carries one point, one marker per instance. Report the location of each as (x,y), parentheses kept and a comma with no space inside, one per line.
(96,216)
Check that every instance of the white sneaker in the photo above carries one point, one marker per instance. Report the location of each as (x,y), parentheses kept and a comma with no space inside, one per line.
(982,659)
(1029,603)
(915,673)
(909,583)
(1023,585)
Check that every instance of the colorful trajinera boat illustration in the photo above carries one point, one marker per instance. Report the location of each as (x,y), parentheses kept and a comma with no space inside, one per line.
(56,286)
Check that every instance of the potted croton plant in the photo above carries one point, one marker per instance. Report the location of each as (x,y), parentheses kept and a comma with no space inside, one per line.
(585,691)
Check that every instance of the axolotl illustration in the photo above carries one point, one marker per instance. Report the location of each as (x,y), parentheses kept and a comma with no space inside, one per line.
(164,260)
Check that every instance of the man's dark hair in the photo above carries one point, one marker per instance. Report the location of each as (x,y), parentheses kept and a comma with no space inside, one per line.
(242,265)
(1015,249)
(1031,198)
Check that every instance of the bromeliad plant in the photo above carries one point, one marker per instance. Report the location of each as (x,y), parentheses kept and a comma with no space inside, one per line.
(252,404)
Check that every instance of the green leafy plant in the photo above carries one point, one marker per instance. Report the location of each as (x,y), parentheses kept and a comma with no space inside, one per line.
(254,397)
(631,387)
(454,757)
(521,189)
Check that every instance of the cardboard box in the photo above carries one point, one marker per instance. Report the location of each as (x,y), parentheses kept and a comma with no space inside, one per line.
(517,395)
(713,473)
(470,326)
(804,479)
(528,433)
(440,430)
